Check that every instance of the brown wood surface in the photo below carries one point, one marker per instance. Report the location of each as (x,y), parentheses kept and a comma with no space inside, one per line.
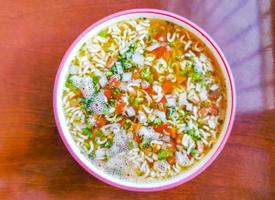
(34,35)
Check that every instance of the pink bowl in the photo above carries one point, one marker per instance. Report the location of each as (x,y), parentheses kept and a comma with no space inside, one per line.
(68,140)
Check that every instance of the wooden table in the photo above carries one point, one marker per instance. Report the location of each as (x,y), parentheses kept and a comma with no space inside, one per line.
(34,35)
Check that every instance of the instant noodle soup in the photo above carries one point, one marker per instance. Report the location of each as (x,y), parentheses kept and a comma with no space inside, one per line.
(144,100)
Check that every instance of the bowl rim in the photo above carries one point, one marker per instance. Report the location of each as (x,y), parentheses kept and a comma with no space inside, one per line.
(232,90)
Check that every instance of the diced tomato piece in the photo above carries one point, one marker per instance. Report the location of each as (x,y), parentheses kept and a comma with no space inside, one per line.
(136,75)
(173,146)
(178,139)
(163,100)
(94,132)
(167,87)
(171,131)
(150,90)
(161,127)
(162,107)
(101,121)
(137,138)
(120,107)
(162,51)
(171,160)
(161,37)
(214,109)
(114,82)
(108,93)
(203,112)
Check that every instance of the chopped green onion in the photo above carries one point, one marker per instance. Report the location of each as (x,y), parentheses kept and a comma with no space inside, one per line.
(109,73)
(130,145)
(193,152)
(126,125)
(103,33)
(105,109)
(154,30)
(157,121)
(82,52)
(70,84)
(116,91)
(95,79)
(145,73)
(87,132)
(87,145)
(108,144)
(192,133)
(163,154)
(196,76)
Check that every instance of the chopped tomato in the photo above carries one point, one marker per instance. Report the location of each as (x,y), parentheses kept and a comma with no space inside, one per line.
(178,139)
(137,138)
(162,107)
(101,121)
(171,160)
(136,75)
(173,146)
(171,131)
(161,37)
(114,82)
(163,100)
(120,107)
(162,51)
(161,128)
(150,90)
(108,93)
(213,109)
(94,132)
(203,112)
(167,87)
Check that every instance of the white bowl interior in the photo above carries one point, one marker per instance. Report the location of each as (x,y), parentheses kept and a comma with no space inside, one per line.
(68,136)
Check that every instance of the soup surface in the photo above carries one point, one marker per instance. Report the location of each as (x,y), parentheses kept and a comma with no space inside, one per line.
(144,100)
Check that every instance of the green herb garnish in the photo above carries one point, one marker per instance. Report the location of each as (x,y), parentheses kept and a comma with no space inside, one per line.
(87,132)
(108,144)
(163,154)
(130,145)
(103,33)
(193,134)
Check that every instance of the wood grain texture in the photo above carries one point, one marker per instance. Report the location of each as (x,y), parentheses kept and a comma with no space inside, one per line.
(34,35)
